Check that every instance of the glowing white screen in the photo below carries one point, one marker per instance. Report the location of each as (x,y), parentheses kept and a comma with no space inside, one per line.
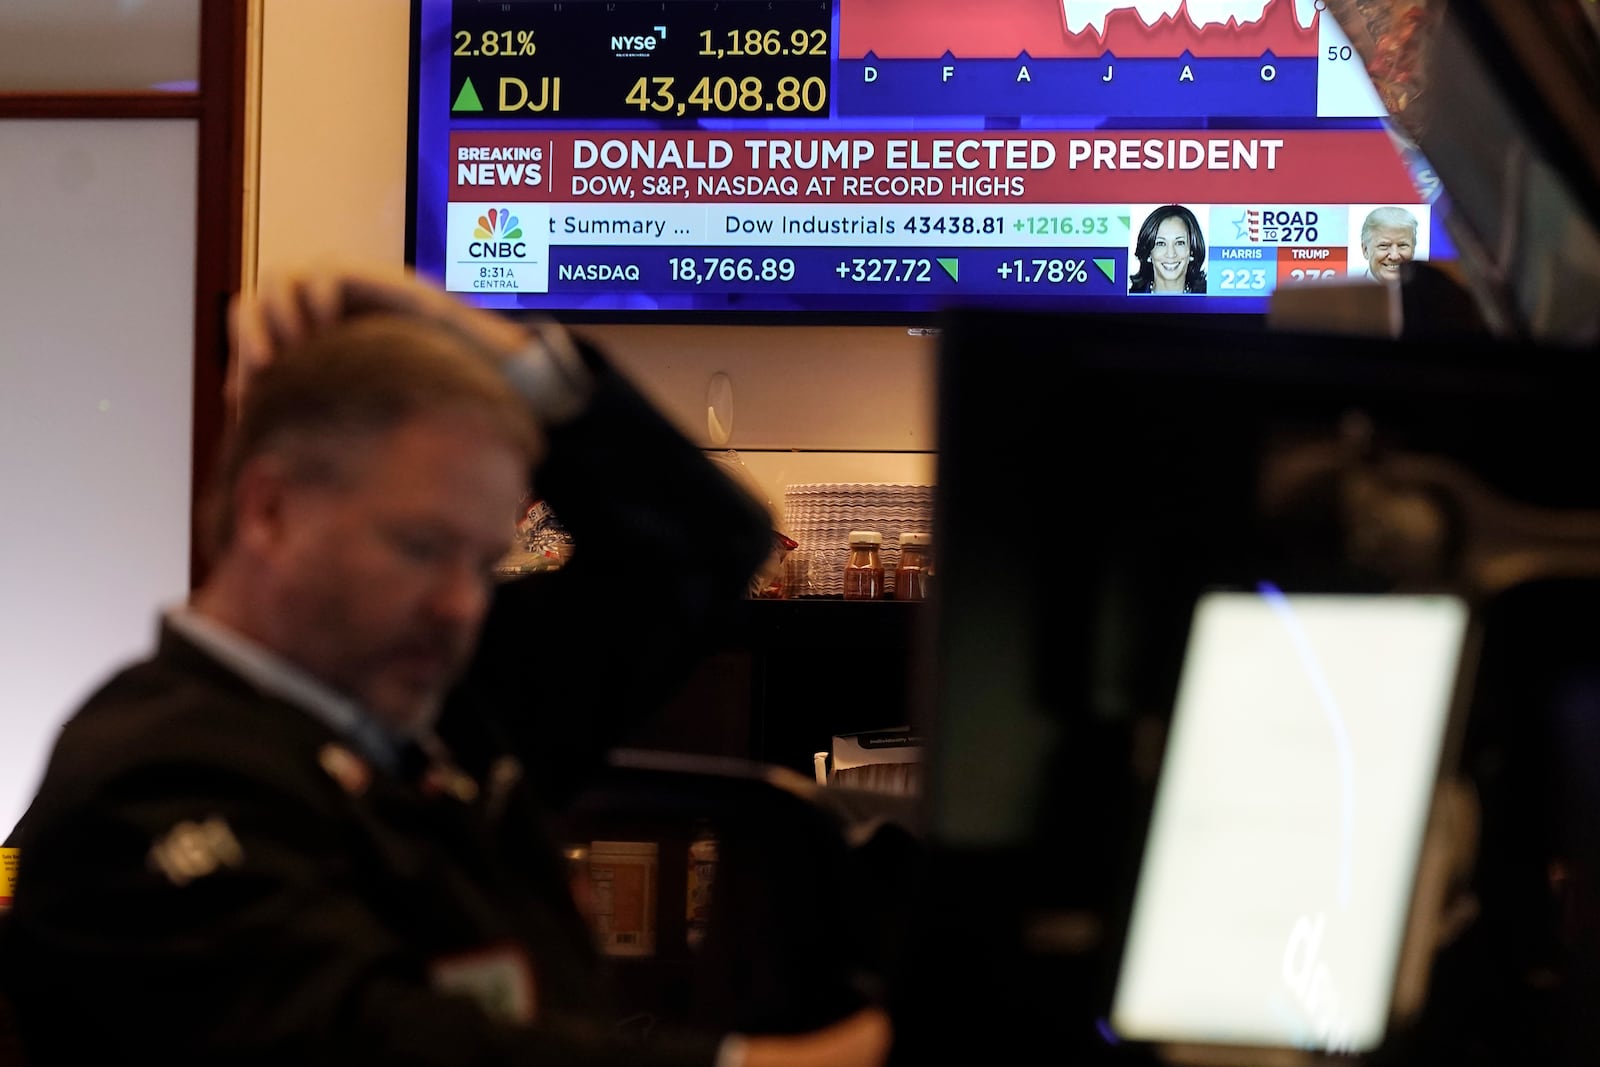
(1277,873)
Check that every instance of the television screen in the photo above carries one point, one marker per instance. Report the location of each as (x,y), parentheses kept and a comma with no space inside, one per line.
(888,158)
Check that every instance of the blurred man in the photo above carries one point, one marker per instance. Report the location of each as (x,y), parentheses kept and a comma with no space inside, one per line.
(1388,240)
(308,829)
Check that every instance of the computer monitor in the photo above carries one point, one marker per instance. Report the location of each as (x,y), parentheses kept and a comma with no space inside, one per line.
(1140,535)
(1289,817)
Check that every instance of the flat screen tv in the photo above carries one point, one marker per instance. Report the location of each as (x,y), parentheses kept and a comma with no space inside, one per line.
(880,160)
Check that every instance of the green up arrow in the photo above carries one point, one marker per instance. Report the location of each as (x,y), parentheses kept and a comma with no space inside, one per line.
(467,99)
(1108,267)
(952,267)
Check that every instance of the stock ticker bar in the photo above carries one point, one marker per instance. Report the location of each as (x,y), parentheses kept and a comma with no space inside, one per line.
(642,59)
(630,59)
(829,270)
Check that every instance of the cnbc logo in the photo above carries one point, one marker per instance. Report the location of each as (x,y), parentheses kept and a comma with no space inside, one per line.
(498,235)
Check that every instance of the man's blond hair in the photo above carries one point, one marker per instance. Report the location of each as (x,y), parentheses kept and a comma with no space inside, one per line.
(318,403)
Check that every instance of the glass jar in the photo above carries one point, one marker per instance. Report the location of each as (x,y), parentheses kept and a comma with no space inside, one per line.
(702,876)
(914,569)
(579,879)
(622,876)
(9,858)
(863,571)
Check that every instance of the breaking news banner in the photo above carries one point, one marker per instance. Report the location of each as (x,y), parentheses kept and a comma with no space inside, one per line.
(563,167)
(975,213)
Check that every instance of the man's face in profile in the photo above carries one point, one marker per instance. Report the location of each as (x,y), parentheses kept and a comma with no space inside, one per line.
(386,576)
(1387,248)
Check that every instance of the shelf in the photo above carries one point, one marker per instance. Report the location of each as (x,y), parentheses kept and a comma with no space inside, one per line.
(822,622)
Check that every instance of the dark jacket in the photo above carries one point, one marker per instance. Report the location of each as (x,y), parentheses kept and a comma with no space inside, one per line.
(207,877)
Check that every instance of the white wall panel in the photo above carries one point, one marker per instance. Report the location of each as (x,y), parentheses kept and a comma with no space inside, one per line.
(814,387)
(82,45)
(97,251)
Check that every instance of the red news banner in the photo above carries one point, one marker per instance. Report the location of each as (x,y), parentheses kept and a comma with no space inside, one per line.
(978,167)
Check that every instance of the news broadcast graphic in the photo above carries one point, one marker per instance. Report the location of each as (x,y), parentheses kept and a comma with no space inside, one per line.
(842,156)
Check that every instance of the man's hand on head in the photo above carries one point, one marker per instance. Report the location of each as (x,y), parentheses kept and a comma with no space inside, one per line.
(287,308)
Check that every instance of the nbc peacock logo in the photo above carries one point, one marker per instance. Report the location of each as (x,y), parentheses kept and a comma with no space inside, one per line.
(498,235)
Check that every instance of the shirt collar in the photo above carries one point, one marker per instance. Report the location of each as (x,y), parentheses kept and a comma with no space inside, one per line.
(276,676)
